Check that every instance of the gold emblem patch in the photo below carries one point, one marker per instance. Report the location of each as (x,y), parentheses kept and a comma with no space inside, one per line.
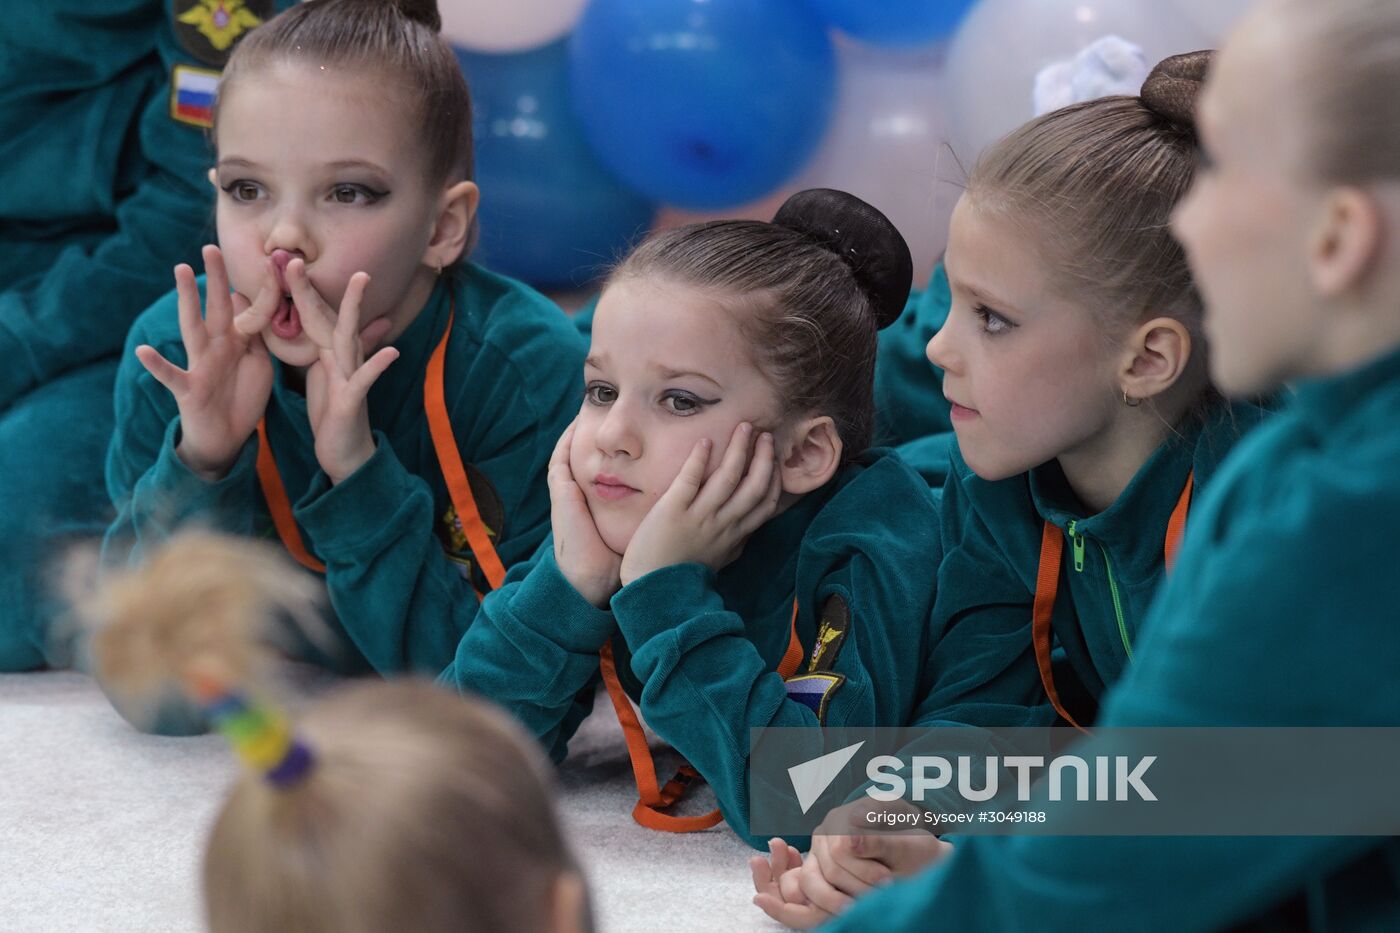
(208,29)
(492,512)
(835,623)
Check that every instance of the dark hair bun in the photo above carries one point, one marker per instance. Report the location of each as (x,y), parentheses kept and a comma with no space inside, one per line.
(421,11)
(1174,85)
(865,240)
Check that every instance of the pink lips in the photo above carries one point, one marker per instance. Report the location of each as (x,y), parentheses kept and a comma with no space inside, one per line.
(611,489)
(961,412)
(286,322)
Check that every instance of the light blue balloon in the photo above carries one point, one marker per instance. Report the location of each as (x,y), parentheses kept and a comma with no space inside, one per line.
(551,213)
(893,22)
(703,103)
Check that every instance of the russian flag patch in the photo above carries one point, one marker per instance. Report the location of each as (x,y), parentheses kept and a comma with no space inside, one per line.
(814,691)
(192,93)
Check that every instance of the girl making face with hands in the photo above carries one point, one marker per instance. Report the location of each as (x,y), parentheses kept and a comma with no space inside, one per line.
(725,551)
(347,363)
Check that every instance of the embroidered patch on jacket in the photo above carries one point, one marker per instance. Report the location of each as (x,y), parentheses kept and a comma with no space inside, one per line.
(492,512)
(209,29)
(814,691)
(831,635)
(192,93)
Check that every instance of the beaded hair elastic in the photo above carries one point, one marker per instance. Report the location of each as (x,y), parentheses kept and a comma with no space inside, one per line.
(261,735)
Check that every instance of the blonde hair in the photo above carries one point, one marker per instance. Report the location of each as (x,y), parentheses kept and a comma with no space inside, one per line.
(399,38)
(1347,72)
(422,810)
(1096,183)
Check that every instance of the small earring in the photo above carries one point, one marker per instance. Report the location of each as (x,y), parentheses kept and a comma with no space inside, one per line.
(1130,401)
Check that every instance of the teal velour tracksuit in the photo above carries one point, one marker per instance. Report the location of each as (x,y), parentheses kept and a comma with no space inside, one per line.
(104,190)
(401,587)
(1280,613)
(983,668)
(699,651)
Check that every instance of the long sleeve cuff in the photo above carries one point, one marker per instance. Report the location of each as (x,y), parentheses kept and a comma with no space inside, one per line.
(347,518)
(189,495)
(663,600)
(548,603)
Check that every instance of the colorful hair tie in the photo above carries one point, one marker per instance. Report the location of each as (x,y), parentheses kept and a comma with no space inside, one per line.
(260,735)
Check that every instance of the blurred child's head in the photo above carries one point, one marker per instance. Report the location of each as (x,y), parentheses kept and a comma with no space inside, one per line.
(1293,224)
(424,811)
(710,325)
(388,806)
(1073,309)
(343,138)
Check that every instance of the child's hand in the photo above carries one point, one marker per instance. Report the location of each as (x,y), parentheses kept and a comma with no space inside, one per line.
(589,565)
(338,384)
(777,886)
(769,874)
(224,392)
(708,520)
(849,858)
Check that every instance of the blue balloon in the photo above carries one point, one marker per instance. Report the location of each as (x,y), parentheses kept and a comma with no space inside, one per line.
(703,103)
(893,22)
(551,213)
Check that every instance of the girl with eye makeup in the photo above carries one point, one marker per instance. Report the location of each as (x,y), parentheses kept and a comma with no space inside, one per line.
(345,379)
(726,551)
(1074,365)
(1280,610)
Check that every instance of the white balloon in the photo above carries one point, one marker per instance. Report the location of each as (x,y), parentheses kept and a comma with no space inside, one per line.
(507,25)
(1003,44)
(887,144)
(1215,18)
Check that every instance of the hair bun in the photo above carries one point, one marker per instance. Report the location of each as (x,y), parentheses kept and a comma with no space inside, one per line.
(1171,89)
(424,12)
(863,237)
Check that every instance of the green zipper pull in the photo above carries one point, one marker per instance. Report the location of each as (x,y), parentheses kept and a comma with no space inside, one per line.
(1078,541)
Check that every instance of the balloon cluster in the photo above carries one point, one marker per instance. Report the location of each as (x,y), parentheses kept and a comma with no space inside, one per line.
(598,119)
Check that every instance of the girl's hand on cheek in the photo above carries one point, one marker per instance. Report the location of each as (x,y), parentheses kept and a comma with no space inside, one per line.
(589,565)
(224,392)
(337,389)
(707,521)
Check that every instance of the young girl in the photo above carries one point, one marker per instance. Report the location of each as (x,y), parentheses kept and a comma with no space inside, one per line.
(103,193)
(1076,372)
(410,476)
(299,843)
(721,535)
(1278,613)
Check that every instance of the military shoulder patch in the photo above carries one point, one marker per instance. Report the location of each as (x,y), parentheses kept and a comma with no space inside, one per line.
(493,516)
(831,635)
(209,29)
(814,691)
(192,93)
(488,501)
